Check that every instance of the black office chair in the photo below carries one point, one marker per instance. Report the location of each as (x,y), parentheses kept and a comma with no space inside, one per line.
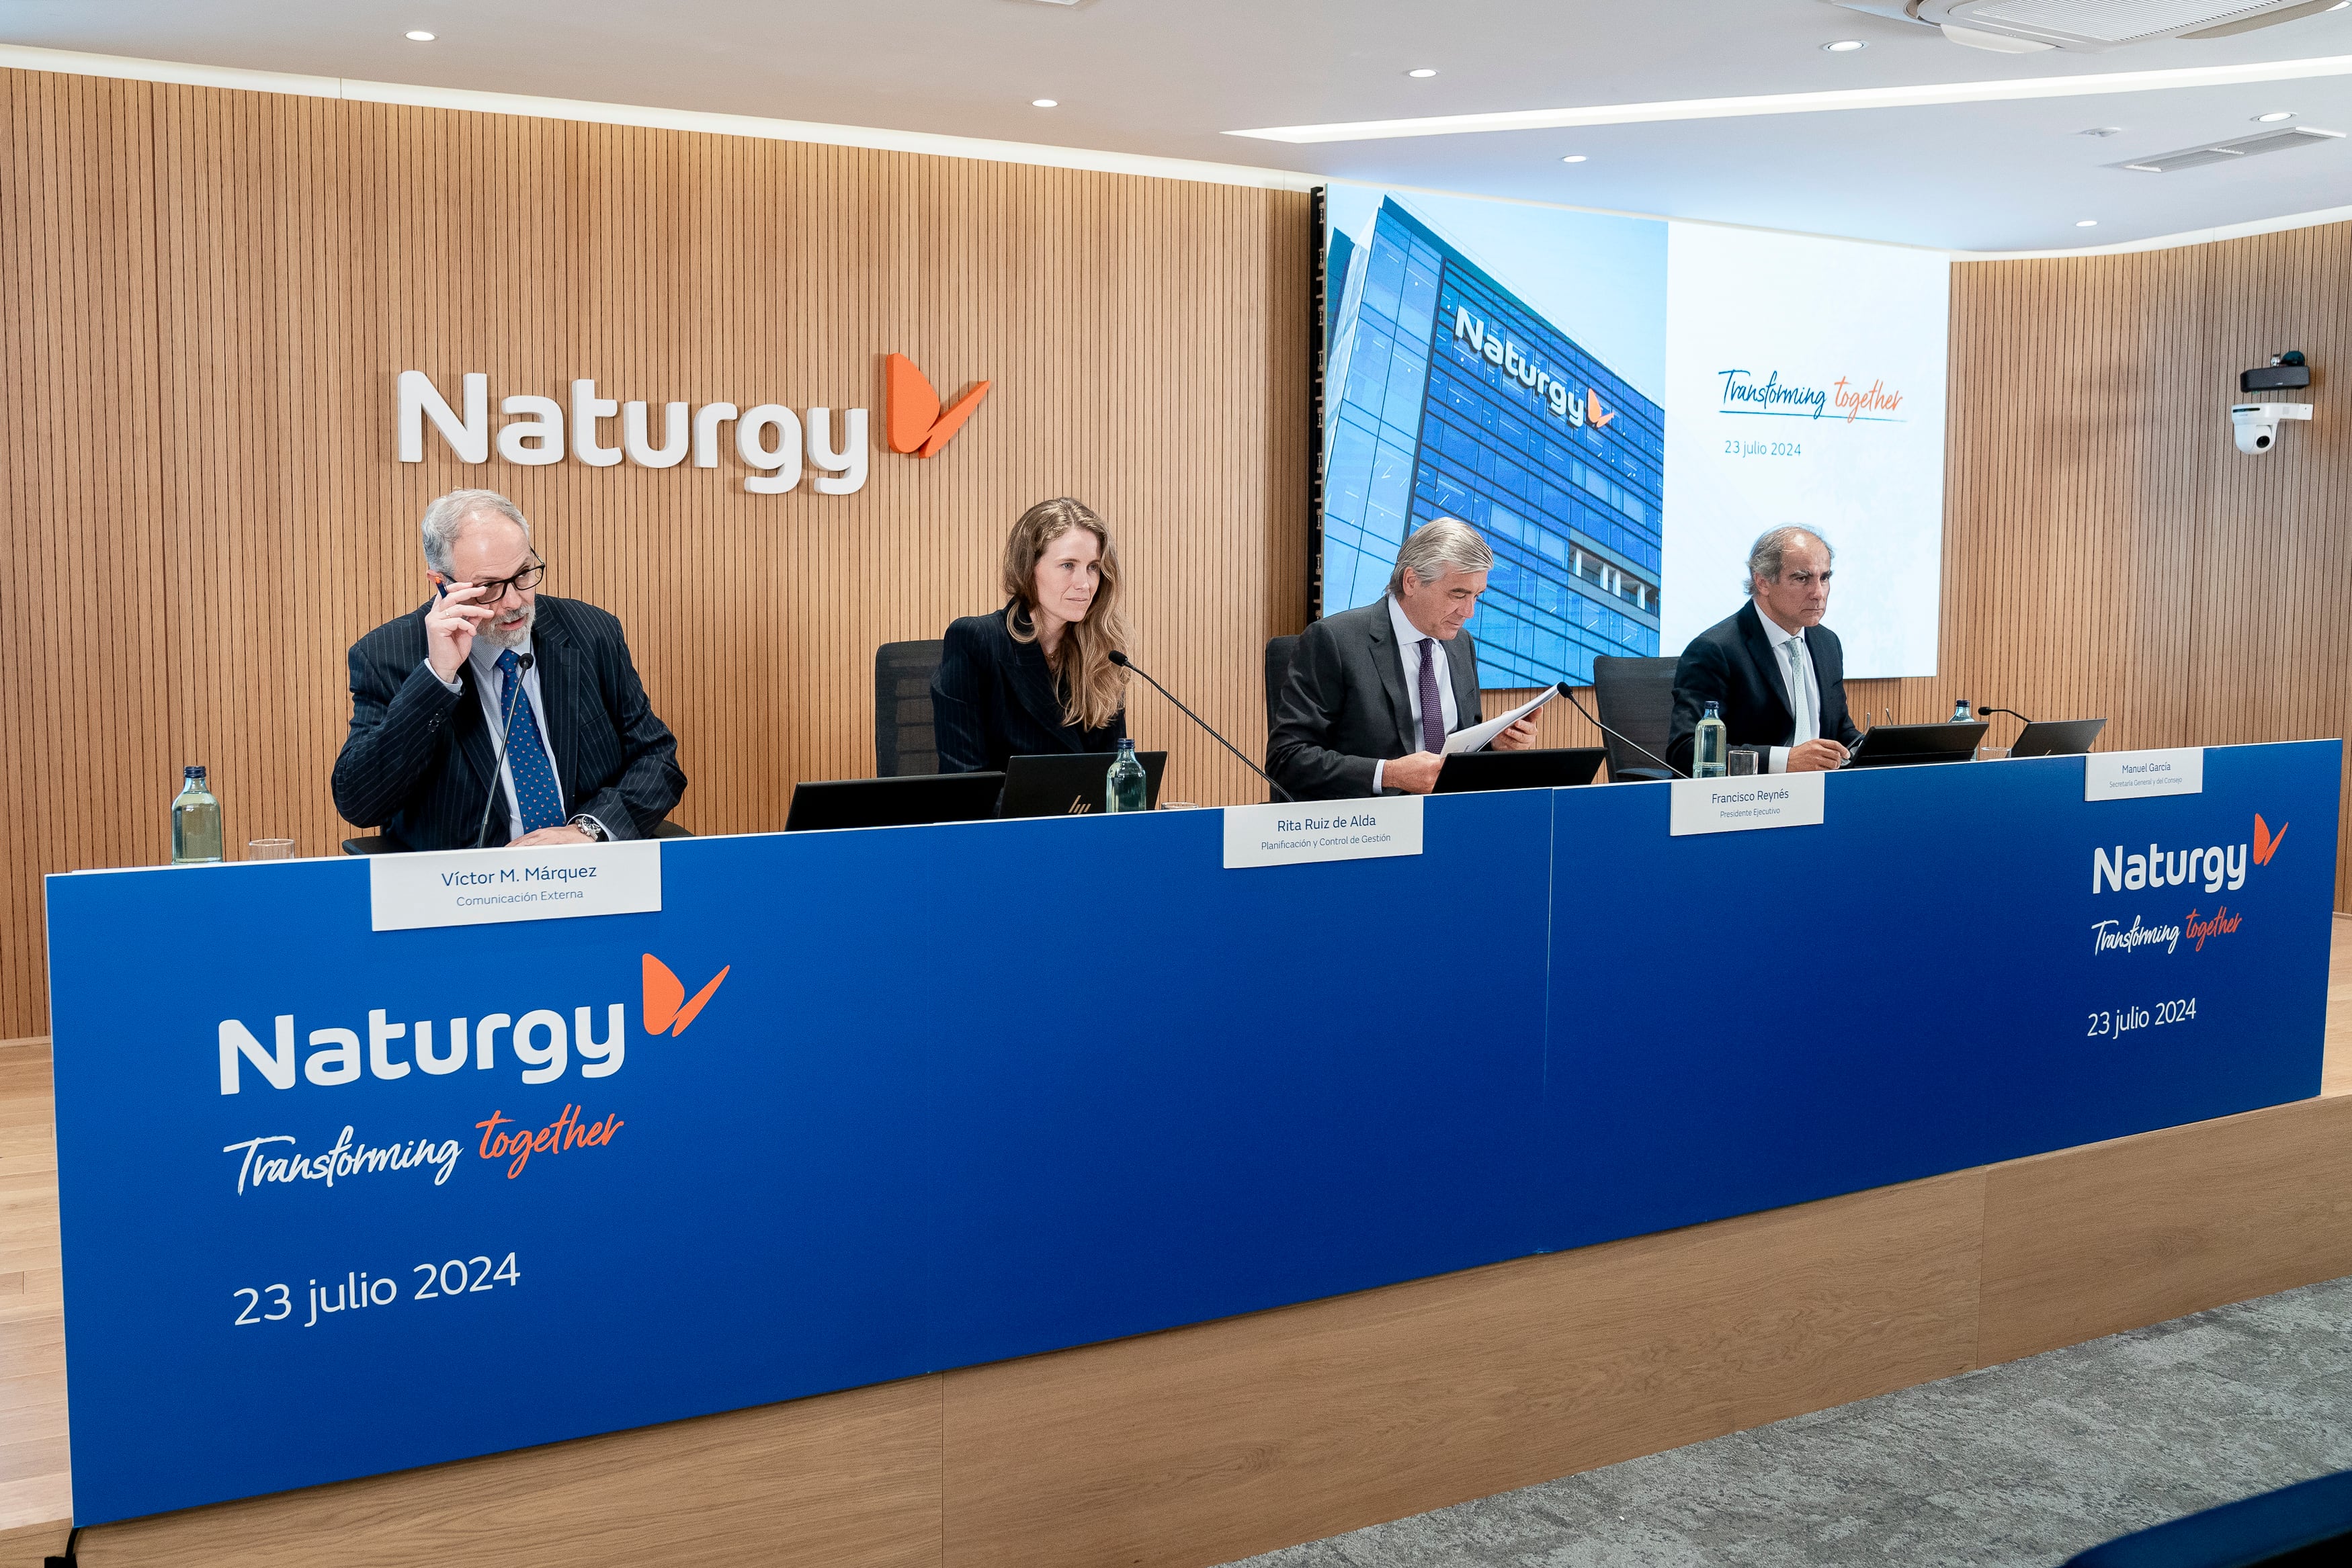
(903,739)
(1637,696)
(1279,652)
(377,844)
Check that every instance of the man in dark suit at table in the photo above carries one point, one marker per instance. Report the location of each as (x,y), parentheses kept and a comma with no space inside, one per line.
(1373,692)
(1777,673)
(585,759)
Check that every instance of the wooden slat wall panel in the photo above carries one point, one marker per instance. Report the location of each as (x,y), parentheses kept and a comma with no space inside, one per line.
(212,291)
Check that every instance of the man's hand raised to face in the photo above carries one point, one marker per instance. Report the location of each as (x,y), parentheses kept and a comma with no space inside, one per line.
(449,628)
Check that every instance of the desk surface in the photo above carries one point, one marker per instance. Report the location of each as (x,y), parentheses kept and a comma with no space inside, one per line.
(1181,1092)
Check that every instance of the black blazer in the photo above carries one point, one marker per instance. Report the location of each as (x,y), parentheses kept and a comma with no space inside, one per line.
(417,760)
(1731,663)
(994,698)
(1344,705)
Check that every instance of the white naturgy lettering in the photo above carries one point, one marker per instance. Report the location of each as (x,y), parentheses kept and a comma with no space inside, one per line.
(2217,866)
(1496,350)
(771,439)
(542,1042)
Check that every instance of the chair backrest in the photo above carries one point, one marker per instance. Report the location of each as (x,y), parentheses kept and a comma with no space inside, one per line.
(1637,696)
(903,741)
(1278,654)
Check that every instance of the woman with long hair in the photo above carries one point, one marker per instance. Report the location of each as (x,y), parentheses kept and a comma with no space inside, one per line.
(1036,678)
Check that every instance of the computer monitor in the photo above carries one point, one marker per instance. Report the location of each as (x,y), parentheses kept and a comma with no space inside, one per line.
(1072,783)
(1556,768)
(2057,737)
(1902,745)
(902,802)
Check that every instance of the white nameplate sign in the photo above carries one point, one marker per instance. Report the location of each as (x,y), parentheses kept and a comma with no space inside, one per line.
(489,887)
(2137,775)
(1286,835)
(1742,805)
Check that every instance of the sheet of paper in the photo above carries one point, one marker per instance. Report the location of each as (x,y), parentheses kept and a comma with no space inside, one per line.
(1476,738)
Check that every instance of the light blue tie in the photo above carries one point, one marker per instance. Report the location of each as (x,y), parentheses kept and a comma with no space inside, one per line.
(534,780)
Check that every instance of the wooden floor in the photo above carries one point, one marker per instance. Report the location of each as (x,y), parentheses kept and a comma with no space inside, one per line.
(35,1494)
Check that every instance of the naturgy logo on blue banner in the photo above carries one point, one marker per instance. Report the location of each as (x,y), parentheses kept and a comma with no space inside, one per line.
(2219,867)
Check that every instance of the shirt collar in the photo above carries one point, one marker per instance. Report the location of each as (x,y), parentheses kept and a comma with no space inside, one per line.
(1775,634)
(1407,634)
(484,657)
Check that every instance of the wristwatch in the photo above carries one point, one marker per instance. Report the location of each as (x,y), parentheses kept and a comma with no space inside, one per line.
(592,827)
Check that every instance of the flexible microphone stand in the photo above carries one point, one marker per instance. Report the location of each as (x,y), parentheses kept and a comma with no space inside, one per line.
(1628,740)
(2011,711)
(1124,663)
(499,752)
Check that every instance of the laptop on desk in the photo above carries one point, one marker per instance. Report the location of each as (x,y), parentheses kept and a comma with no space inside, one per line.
(1554,768)
(2057,737)
(1903,744)
(1072,783)
(902,802)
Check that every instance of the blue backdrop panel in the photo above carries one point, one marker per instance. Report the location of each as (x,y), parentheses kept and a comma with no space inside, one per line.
(1743,1020)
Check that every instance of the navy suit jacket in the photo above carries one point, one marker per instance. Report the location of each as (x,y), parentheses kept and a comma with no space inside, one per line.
(1345,708)
(1732,663)
(417,759)
(994,698)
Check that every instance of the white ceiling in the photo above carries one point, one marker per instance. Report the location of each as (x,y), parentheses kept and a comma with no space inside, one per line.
(1166,79)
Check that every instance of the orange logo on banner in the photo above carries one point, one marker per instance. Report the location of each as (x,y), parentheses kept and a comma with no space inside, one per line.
(914,420)
(2265,844)
(665,991)
(1593,415)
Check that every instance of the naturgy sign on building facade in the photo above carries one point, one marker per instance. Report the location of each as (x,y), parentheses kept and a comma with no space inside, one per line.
(776,442)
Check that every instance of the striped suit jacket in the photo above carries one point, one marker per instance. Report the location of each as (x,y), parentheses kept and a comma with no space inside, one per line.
(416,762)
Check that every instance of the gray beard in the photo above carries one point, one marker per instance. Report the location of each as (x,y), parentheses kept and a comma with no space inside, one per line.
(514,638)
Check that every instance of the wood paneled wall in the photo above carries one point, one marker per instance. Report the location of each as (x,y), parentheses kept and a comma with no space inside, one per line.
(208,293)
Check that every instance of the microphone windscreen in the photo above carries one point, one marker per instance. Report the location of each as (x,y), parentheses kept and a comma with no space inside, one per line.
(1563,688)
(1119,658)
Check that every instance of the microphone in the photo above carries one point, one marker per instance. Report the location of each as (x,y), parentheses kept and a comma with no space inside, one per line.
(2011,711)
(1124,663)
(1626,738)
(499,752)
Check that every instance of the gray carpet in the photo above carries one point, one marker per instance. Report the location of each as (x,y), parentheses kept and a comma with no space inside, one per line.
(2023,1463)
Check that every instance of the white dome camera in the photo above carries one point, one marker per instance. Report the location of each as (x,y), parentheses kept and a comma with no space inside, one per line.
(2256,423)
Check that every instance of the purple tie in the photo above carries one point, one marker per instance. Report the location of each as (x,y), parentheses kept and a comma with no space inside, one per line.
(1433,717)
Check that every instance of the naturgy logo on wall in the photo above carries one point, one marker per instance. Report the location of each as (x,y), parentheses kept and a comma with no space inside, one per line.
(1497,349)
(769,438)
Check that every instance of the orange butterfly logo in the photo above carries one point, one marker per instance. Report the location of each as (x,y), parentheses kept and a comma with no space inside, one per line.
(2266,842)
(1593,415)
(913,417)
(664,992)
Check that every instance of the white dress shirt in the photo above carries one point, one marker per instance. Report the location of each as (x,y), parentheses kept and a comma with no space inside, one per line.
(488,683)
(1409,639)
(1796,665)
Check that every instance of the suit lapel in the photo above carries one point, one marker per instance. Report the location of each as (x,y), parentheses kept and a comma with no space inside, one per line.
(1462,664)
(1389,659)
(1032,683)
(558,693)
(1759,649)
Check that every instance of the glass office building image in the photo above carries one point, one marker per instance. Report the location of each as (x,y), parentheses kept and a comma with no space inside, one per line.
(1447,395)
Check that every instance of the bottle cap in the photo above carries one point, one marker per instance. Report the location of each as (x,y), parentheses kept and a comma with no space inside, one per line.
(194,770)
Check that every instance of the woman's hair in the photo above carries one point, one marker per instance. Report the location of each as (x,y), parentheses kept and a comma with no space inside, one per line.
(1093,689)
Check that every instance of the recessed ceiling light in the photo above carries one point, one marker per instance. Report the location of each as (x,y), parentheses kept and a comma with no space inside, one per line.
(1044,104)
(1420,73)
(1573,158)
(2274,117)
(419,35)
(2102,130)
(2086,223)
(1845,45)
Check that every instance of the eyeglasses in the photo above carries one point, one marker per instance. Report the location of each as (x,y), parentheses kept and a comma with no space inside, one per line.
(529,577)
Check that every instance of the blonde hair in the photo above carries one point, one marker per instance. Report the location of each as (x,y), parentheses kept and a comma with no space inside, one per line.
(1093,689)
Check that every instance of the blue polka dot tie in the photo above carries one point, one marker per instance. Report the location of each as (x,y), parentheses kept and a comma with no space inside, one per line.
(534,780)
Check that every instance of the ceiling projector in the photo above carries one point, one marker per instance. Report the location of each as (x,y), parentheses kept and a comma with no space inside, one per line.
(2027,27)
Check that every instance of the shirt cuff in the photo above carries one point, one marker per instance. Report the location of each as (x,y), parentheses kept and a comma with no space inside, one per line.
(1777,761)
(1377,767)
(457,686)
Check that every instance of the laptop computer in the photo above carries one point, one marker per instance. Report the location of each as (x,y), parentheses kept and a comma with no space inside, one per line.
(1072,783)
(2057,737)
(901,803)
(1556,768)
(1902,745)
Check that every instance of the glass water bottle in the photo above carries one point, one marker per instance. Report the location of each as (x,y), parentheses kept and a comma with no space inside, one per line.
(195,821)
(1710,746)
(1127,788)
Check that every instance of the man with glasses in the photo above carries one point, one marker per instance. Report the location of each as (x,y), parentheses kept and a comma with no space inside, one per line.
(1777,672)
(488,667)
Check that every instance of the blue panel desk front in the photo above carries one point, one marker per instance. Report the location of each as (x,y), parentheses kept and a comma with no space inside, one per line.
(974,1092)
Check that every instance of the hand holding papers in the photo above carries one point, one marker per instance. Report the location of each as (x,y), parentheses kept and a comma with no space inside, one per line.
(1478,736)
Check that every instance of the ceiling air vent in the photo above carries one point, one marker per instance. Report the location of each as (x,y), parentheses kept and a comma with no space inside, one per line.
(2230,151)
(2023,25)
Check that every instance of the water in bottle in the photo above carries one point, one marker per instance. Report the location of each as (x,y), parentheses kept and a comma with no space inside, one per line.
(1126,789)
(1710,747)
(195,821)
(1960,713)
